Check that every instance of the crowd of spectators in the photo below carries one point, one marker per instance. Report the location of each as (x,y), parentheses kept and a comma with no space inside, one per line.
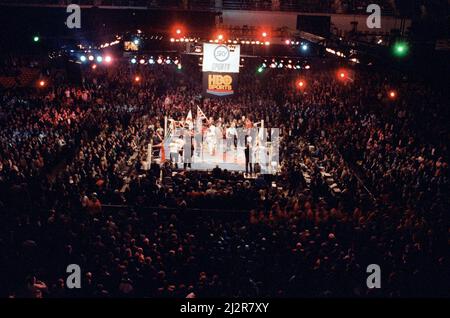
(73,190)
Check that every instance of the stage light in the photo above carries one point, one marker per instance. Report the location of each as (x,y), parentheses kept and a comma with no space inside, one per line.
(220,37)
(305,47)
(392,94)
(264,34)
(141,61)
(83,58)
(151,61)
(307,67)
(136,41)
(400,49)
(36,38)
(301,84)
(159,61)
(42,83)
(133,60)
(260,69)
(91,57)
(137,79)
(176,62)
(342,75)
(108,59)
(94,66)
(267,43)
(178,31)
(99,59)
(287,42)
(168,61)
(179,66)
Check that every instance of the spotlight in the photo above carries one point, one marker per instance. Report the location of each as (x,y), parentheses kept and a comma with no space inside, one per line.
(400,49)
(151,61)
(176,62)
(178,31)
(179,66)
(159,61)
(83,58)
(220,37)
(301,84)
(137,79)
(305,47)
(91,57)
(307,67)
(287,42)
(41,83)
(392,94)
(99,59)
(136,41)
(133,60)
(36,38)
(141,61)
(94,66)
(108,59)
(342,75)
(260,69)
(168,61)
(264,34)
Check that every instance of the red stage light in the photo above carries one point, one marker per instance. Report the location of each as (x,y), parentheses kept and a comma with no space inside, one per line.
(342,74)
(178,31)
(301,84)
(94,66)
(108,59)
(220,37)
(392,94)
(42,83)
(137,79)
(264,34)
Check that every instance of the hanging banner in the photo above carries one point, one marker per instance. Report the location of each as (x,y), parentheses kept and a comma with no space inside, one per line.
(221,58)
(219,84)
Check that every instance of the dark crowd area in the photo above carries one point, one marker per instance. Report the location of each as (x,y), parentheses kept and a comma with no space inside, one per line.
(363,179)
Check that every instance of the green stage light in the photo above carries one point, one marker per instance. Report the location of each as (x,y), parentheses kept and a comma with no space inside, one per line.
(260,69)
(36,38)
(400,49)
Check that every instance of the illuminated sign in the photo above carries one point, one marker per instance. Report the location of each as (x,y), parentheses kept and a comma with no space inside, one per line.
(219,84)
(221,58)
